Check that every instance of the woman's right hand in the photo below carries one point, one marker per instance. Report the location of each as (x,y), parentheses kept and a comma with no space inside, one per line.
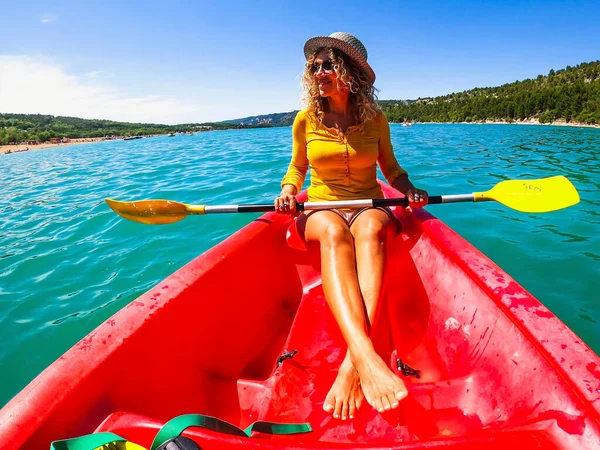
(285,203)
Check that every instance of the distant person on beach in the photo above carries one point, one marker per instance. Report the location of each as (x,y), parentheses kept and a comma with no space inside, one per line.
(342,135)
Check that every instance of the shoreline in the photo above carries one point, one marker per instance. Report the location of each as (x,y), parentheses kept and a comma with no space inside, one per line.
(558,123)
(18,148)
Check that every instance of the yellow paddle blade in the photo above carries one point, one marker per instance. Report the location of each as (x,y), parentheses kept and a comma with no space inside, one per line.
(154,212)
(544,195)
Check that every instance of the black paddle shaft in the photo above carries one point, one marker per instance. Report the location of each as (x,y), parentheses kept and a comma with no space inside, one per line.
(434,199)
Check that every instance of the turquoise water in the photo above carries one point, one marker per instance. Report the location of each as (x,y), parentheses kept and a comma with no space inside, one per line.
(67,262)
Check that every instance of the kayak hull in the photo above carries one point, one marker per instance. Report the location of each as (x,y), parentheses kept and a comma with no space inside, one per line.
(497,367)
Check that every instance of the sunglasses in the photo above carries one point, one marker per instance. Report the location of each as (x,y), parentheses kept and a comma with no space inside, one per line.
(326,66)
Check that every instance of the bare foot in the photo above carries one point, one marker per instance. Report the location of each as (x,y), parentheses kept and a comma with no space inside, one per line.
(382,388)
(345,396)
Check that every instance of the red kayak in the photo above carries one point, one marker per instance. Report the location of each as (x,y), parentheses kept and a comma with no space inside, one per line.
(243,334)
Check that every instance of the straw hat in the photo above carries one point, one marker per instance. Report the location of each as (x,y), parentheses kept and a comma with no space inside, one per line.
(345,42)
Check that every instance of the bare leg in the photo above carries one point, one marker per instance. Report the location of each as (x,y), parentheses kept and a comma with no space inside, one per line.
(340,284)
(370,231)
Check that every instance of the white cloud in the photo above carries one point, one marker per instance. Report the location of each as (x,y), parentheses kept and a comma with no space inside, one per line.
(48,18)
(39,86)
(93,74)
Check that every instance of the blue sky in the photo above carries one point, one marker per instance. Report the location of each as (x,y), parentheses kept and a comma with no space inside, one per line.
(196,61)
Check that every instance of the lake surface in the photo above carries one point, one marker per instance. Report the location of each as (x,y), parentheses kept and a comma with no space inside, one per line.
(67,262)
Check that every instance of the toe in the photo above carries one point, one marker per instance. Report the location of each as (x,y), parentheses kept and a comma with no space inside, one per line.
(393,401)
(359,402)
(329,404)
(345,412)
(400,390)
(401,394)
(337,412)
(352,409)
(385,403)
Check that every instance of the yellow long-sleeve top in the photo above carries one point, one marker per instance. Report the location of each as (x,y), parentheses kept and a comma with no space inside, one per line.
(341,168)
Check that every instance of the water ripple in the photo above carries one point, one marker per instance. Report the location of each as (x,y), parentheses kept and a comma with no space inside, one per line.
(67,262)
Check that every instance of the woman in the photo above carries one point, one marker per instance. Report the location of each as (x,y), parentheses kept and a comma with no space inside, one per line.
(342,135)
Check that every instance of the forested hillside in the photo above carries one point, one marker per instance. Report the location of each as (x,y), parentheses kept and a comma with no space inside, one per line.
(274,120)
(37,127)
(572,94)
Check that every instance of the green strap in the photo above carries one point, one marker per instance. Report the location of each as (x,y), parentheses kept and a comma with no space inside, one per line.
(278,428)
(176,426)
(87,442)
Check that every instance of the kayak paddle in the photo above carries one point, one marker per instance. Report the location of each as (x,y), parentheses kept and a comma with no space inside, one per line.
(533,196)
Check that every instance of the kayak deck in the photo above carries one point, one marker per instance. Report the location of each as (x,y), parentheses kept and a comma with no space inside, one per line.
(497,368)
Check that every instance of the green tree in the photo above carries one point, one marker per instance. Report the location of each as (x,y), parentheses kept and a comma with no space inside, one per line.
(44,136)
(13,135)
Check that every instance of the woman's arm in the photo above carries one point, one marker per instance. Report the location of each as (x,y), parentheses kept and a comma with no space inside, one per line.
(403,184)
(396,176)
(294,178)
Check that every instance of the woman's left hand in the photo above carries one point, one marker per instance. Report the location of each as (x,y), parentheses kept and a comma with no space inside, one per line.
(417,198)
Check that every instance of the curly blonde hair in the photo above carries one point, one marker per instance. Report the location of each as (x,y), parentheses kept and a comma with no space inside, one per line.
(351,78)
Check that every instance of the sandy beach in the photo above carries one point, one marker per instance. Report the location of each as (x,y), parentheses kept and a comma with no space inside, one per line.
(7,149)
